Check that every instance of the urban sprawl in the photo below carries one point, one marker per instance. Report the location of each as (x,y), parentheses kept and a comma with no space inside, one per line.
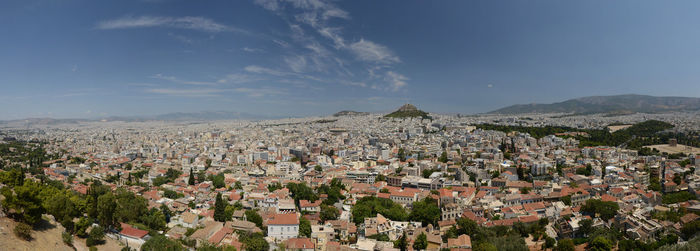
(361,182)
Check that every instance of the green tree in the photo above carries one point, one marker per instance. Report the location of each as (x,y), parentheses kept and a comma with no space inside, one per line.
(190,181)
(585,226)
(106,207)
(95,237)
(130,207)
(671,198)
(401,243)
(25,201)
(370,206)
(300,191)
(606,209)
(13,177)
(218,180)
(82,226)
(600,243)
(68,224)
(690,229)
(254,242)
(485,246)
(154,219)
(566,245)
(566,200)
(549,242)
(426,211)
(161,243)
(304,227)
(219,209)
(443,157)
(274,186)
(402,154)
(254,217)
(421,242)
(329,213)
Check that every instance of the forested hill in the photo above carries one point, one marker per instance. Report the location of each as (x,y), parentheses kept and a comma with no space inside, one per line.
(634,137)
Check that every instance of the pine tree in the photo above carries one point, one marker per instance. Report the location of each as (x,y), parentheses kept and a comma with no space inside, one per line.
(219,209)
(401,243)
(191,179)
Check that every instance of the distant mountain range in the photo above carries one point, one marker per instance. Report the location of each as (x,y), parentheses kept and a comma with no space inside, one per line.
(618,104)
(177,116)
(349,113)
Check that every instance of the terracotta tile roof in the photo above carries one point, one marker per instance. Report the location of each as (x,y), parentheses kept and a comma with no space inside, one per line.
(461,241)
(528,219)
(219,235)
(608,198)
(128,230)
(300,243)
(689,218)
(283,219)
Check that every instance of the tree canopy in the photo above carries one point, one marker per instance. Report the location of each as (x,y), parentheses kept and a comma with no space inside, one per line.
(371,206)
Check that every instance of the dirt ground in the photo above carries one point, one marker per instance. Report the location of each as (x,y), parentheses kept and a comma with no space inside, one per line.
(108,245)
(617,127)
(45,237)
(676,149)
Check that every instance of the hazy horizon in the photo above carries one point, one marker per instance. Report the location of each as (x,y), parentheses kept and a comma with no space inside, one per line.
(296,58)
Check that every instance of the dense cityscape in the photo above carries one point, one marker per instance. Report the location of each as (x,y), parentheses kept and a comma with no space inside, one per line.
(353,182)
(349,125)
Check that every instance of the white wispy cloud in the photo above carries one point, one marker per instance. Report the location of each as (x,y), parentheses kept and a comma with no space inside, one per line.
(316,15)
(180,81)
(369,51)
(281,43)
(192,23)
(259,92)
(396,80)
(352,83)
(296,63)
(181,38)
(272,5)
(265,70)
(187,92)
(252,50)
(238,78)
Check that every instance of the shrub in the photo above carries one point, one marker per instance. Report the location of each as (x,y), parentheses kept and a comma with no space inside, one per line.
(23,231)
(67,238)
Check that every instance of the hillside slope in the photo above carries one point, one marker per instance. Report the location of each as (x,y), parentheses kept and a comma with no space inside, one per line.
(608,104)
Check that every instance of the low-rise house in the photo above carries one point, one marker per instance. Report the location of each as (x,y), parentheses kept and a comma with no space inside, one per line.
(133,236)
(451,211)
(283,226)
(300,244)
(308,206)
(241,225)
(403,197)
(189,220)
(321,235)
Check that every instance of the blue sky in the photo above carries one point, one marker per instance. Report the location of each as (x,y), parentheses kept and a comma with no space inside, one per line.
(88,59)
